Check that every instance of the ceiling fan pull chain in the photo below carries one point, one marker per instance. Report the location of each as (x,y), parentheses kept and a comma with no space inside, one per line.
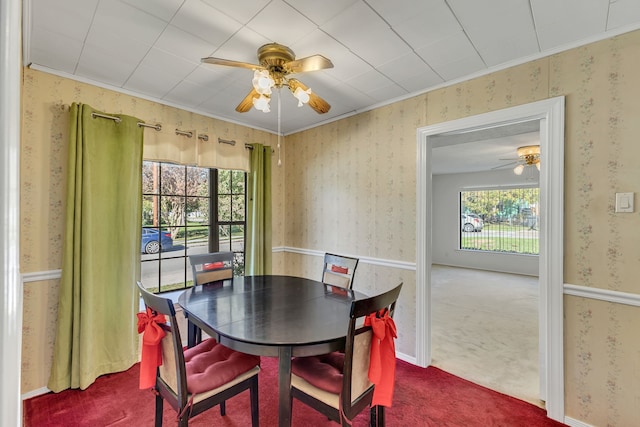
(279,133)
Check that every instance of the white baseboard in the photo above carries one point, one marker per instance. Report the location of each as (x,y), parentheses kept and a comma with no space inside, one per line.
(406,358)
(34,393)
(575,423)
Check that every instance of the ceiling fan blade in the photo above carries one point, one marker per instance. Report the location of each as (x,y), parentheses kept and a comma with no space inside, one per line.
(505,165)
(246,104)
(310,63)
(229,63)
(318,104)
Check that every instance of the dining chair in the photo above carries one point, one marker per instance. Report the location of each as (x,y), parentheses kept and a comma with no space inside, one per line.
(339,270)
(337,384)
(208,268)
(211,267)
(201,377)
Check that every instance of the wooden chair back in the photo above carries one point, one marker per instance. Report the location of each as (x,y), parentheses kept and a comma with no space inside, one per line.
(172,372)
(211,267)
(339,270)
(357,390)
(171,379)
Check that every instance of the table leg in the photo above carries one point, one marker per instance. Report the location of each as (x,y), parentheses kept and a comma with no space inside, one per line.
(191,333)
(284,387)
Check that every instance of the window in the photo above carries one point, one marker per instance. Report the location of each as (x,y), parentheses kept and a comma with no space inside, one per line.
(500,220)
(230,215)
(188,210)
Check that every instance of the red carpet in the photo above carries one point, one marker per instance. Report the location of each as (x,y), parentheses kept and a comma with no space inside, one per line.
(423,397)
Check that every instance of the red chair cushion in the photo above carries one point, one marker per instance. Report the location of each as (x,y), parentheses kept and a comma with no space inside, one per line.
(338,269)
(213,266)
(324,372)
(210,365)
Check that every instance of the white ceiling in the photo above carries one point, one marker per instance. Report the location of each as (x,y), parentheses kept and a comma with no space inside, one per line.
(382,50)
(482,150)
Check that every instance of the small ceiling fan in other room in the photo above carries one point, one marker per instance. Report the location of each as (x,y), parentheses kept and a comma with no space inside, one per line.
(276,63)
(528,155)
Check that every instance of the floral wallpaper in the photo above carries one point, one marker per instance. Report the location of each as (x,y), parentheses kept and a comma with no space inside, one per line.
(349,186)
(601,246)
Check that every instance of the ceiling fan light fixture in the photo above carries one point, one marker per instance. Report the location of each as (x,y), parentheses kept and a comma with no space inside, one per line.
(529,155)
(529,150)
(275,63)
(262,82)
(262,103)
(301,95)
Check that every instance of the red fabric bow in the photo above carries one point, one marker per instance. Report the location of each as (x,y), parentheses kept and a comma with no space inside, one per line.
(382,365)
(151,347)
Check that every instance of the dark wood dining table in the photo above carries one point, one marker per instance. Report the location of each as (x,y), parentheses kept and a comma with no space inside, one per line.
(278,316)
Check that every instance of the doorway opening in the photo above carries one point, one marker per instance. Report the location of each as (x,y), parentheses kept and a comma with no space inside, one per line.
(549,114)
(484,275)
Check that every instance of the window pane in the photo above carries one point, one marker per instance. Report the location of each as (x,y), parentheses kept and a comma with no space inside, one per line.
(150,211)
(178,244)
(500,220)
(178,250)
(150,177)
(197,182)
(224,208)
(224,182)
(237,238)
(237,184)
(154,241)
(198,236)
(238,264)
(189,279)
(150,275)
(173,211)
(224,233)
(238,208)
(172,274)
(173,179)
(197,211)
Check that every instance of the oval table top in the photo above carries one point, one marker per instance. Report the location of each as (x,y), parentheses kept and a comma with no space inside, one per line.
(271,311)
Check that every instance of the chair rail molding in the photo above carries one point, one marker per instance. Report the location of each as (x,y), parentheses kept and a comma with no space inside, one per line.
(39,276)
(608,295)
(589,292)
(403,265)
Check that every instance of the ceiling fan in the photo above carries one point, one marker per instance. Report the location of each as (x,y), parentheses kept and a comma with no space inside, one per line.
(276,63)
(528,155)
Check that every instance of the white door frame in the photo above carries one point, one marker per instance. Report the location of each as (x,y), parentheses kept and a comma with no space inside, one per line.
(10,285)
(550,112)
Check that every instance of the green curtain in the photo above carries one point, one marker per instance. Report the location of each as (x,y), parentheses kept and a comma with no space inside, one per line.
(258,250)
(96,333)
